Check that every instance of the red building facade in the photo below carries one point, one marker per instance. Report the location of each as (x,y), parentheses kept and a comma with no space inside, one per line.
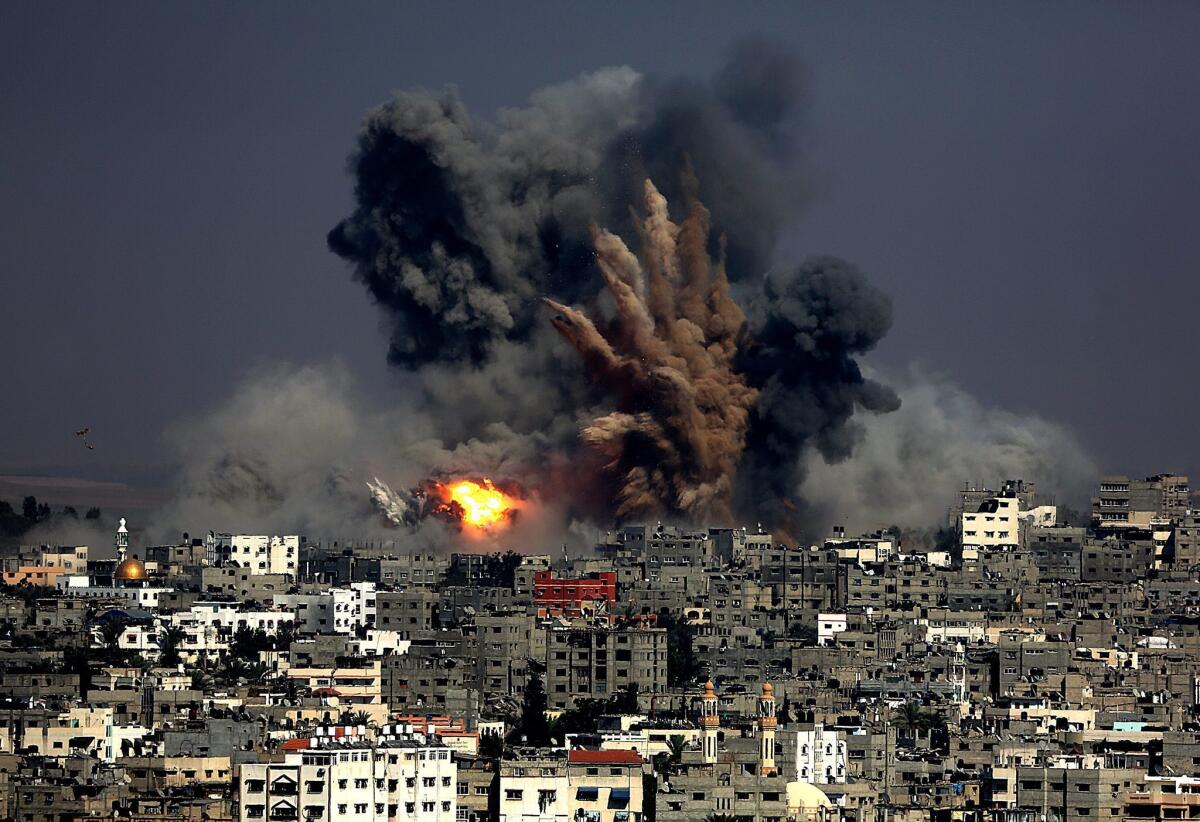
(556,592)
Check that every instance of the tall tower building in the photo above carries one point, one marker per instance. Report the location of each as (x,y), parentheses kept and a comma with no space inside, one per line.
(766,728)
(710,724)
(122,541)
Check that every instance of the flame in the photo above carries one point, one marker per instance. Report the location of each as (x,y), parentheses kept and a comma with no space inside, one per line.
(478,504)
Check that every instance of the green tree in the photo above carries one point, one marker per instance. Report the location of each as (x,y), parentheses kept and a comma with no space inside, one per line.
(12,524)
(169,639)
(807,634)
(233,671)
(682,666)
(355,718)
(626,702)
(912,719)
(247,642)
(29,508)
(534,726)
(784,715)
(111,630)
(92,513)
(491,746)
(501,569)
(78,661)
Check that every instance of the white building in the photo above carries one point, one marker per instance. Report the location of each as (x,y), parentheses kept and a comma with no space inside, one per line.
(209,627)
(335,780)
(863,549)
(996,524)
(142,595)
(336,611)
(379,643)
(72,559)
(141,638)
(266,554)
(228,617)
(91,730)
(820,756)
(829,626)
(1043,516)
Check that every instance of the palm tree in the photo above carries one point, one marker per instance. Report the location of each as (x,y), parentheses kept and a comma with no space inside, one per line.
(676,744)
(355,718)
(914,720)
(111,631)
(169,639)
(233,671)
(201,680)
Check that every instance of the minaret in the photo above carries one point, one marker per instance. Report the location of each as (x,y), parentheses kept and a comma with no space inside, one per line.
(766,728)
(122,541)
(710,724)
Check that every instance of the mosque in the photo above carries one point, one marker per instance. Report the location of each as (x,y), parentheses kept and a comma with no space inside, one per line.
(128,580)
(129,569)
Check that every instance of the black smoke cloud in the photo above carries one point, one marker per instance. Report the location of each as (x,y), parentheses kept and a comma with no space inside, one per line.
(462,228)
(806,328)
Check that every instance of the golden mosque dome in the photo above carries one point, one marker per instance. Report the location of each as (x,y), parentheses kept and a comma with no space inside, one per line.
(130,569)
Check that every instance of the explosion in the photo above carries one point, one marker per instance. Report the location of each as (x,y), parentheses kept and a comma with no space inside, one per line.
(688,405)
(478,504)
(679,429)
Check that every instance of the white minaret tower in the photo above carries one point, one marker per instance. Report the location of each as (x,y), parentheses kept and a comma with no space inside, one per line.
(766,729)
(122,541)
(710,724)
(958,674)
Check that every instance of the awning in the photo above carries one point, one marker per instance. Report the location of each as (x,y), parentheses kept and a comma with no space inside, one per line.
(588,794)
(618,798)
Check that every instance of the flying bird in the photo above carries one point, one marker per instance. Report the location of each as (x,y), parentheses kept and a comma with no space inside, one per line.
(83,432)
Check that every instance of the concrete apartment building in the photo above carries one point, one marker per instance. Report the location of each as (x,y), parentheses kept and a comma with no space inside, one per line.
(1122,501)
(1082,792)
(598,661)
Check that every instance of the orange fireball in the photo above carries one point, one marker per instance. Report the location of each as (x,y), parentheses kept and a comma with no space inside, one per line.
(482,504)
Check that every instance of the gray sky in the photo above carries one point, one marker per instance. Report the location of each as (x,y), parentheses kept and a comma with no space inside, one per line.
(1024,180)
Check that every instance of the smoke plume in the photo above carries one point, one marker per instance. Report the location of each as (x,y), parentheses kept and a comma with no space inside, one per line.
(700,379)
(676,437)
(909,465)
(461,230)
(808,325)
